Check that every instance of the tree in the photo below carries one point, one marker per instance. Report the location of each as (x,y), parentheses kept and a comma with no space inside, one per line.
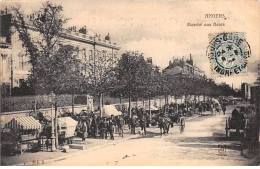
(55,66)
(101,74)
(53,63)
(132,76)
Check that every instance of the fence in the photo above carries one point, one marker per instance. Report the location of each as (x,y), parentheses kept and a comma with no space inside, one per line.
(21,103)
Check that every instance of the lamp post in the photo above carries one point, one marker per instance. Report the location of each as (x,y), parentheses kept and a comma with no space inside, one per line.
(51,100)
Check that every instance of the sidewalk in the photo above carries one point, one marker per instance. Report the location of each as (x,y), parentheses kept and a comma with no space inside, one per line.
(44,157)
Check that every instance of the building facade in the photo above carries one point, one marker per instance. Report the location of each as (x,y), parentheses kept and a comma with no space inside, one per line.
(182,67)
(245,91)
(93,51)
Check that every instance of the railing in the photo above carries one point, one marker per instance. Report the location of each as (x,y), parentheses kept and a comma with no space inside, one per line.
(87,37)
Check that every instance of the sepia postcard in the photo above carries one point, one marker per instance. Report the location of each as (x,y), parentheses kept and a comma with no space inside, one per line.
(129,82)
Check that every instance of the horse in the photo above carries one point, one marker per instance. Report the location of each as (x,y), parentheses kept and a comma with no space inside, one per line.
(120,124)
(164,125)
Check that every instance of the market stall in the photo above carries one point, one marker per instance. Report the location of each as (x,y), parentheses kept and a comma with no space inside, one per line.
(66,129)
(21,134)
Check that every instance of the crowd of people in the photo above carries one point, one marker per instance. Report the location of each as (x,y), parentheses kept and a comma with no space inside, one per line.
(92,125)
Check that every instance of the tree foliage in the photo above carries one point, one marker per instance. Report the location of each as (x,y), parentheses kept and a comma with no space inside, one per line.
(138,79)
(132,75)
(54,65)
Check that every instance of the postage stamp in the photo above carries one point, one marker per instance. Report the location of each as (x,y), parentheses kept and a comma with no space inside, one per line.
(228,53)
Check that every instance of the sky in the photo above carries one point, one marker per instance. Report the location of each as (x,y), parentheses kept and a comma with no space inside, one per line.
(158,28)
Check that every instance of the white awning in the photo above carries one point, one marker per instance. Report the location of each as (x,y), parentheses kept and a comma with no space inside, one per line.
(152,108)
(215,101)
(109,110)
(66,121)
(24,123)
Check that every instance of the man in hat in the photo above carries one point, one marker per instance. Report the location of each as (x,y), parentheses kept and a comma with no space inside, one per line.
(224,108)
(84,131)
(94,126)
(111,128)
(120,124)
(102,127)
(143,124)
(133,124)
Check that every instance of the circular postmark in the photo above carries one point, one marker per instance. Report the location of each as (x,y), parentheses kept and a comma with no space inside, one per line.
(228,53)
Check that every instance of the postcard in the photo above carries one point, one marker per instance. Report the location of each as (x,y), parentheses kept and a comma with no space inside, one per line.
(130,82)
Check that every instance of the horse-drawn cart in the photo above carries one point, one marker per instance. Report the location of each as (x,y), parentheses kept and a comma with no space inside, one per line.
(236,123)
(165,122)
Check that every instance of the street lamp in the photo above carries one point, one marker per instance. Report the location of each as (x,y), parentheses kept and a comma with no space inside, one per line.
(51,100)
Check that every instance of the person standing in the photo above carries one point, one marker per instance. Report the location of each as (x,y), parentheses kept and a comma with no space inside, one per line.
(143,124)
(120,124)
(88,123)
(133,124)
(224,108)
(200,109)
(111,128)
(84,131)
(102,128)
(212,109)
(94,126)
(114,119)
(106,127)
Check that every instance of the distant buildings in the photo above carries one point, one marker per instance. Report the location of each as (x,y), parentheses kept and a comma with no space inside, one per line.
(245,91)
(250,92)
(155,69)
(15,65)
(182,67)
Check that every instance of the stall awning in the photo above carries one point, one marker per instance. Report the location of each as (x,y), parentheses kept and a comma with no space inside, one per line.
(66,121)
(109,110)
(215,101)
(24,123)
(153,108)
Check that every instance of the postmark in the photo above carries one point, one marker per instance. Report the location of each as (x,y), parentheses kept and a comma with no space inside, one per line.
(228,53)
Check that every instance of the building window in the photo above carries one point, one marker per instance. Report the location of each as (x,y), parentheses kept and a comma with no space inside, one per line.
(98,55)
(84,54)
(21,61)
(104,55)
(90,55)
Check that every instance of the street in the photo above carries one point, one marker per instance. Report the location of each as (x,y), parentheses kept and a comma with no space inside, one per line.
(200,144)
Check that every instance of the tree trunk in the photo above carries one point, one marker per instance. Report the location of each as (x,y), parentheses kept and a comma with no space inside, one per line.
(35,103)
(56,126)
(100,104)
(150,111)
(72,103)
(129,107)
(165,103)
